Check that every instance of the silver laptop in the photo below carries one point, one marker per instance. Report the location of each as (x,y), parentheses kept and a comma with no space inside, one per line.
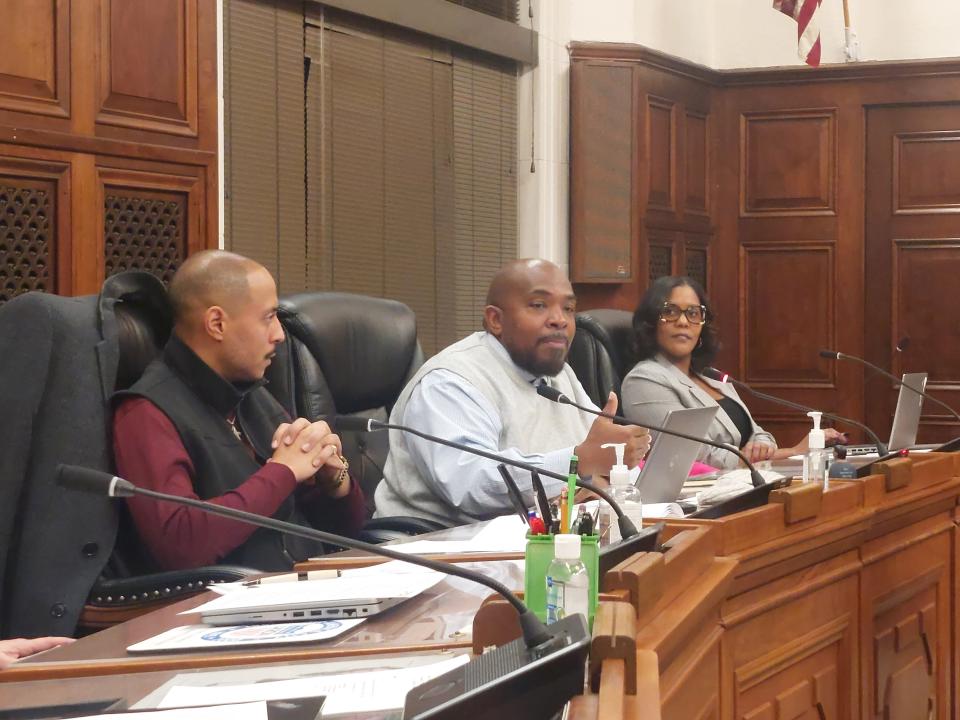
(343,598)
(671,457)
(906,418)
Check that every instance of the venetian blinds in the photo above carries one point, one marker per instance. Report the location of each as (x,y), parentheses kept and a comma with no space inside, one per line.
(407,177)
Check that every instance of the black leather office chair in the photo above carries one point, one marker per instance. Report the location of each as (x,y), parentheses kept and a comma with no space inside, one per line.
(350,355)
(602,351)
(58,548)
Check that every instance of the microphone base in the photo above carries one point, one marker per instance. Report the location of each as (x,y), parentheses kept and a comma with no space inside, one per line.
(511,681)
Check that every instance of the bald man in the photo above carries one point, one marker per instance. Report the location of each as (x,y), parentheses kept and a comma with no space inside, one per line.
(199,423)
(481,391)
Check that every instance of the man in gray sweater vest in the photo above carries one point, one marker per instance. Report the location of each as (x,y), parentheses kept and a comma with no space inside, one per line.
(481,391)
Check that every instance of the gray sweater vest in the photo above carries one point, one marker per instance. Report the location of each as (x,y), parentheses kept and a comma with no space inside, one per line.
(531,424)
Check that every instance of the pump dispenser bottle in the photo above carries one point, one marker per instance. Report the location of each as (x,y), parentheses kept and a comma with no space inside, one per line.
(816,461)
(624,492)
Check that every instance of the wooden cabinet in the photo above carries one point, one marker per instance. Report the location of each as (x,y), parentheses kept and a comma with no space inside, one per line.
(108,140)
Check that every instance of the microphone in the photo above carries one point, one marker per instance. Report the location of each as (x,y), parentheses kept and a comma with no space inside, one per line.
(558,397)
(537,673)
(714,374)
(834,355)
(352,423)
(99,482)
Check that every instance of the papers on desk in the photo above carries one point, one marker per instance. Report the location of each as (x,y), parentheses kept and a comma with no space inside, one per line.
(346,693)
(505,534)
(348,589)
(205,637)
(235,711)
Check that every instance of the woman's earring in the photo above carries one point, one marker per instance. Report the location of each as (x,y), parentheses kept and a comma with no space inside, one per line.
(699,342)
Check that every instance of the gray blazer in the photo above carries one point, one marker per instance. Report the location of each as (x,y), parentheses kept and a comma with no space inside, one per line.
(655,387)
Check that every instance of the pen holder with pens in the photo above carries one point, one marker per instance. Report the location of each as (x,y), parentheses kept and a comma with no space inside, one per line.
(539,555)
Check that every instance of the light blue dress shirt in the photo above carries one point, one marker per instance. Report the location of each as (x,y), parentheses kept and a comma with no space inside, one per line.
(446,405)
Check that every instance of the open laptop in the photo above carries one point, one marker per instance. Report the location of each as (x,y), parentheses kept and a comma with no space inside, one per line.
(671,457)
(906,418)
(354,596)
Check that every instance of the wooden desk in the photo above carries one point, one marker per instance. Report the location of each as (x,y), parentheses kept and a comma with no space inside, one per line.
(131,688)
(775,613)
(434,621)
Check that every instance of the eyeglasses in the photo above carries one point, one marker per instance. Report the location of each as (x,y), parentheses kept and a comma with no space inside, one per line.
(696,314)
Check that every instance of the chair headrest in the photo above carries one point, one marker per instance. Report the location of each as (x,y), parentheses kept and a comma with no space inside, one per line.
(363,345)
(138,301)
(614,330)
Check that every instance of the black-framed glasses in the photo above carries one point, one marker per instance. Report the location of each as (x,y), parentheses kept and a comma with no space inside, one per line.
(696,314)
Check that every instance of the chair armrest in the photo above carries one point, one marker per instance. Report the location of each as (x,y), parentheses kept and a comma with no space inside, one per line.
(170,585)
(380,530)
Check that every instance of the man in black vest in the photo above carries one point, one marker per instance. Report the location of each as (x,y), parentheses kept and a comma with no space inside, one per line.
(199,423)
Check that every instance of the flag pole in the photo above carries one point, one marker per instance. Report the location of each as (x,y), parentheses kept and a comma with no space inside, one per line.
(852,48)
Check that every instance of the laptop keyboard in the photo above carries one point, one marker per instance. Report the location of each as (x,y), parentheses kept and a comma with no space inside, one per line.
(855,450)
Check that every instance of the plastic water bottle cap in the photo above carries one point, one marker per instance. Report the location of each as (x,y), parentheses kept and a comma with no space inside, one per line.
(566,547)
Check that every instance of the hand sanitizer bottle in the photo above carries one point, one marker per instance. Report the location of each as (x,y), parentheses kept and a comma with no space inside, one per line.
(816,461)
(624,492)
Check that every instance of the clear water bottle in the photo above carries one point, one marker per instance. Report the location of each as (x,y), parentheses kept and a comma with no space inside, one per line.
(568,585)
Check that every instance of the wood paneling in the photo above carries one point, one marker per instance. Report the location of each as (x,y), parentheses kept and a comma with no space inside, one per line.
(860,161)
(35,57)
(662,154)
(912,256)
(602,152)
(107,99)
(794,286)
(148,80)
(697,168)
(34,225)
(916,189)
(788,163)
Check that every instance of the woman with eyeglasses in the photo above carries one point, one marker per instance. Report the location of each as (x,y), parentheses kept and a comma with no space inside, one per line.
(675,338)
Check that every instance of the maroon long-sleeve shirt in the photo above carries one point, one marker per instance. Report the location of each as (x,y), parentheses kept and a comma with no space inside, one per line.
(180,537)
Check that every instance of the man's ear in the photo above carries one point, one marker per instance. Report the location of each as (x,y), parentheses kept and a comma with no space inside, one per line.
(215,322)
(493,320)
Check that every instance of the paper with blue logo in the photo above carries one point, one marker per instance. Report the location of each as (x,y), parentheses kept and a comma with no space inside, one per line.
(206,637)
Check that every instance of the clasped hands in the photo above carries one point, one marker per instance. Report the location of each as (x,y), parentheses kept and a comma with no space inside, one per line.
(312,452)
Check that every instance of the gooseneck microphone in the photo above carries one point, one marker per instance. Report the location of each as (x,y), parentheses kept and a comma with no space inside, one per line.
(556,396)
(531,677)
(535,633)
(719,376)
(360,424)
(834,355)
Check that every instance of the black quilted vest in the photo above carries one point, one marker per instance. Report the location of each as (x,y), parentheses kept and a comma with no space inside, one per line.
(198,402)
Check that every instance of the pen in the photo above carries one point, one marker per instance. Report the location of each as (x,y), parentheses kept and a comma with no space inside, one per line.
(294,577)
(564,512)
(543,503)
(571,487)
(514,493)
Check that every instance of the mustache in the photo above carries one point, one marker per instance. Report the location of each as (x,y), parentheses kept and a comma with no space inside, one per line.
(555,336)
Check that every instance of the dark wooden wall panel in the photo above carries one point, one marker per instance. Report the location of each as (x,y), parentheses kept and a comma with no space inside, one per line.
(662,150)
(34,57)
(787,164)
(832,218)
(793,284)
(148,65)
(105,104)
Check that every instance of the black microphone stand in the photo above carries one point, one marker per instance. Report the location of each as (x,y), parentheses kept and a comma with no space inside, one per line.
(535,633)
(835,355)
(346,422)
(719,376)
(558,397)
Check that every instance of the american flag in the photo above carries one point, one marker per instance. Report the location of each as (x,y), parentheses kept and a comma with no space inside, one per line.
(808,27)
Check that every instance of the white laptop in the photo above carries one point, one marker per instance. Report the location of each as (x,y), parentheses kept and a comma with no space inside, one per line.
(349,596)
(906,418)
(671,457)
